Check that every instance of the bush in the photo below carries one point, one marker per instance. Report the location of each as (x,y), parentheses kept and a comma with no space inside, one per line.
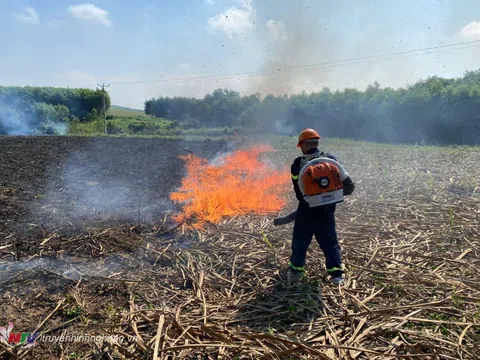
(79,101)
(146,126)
(94,127)
(114,129)
(188,122)
(137,127)
(172,125)
(92,115)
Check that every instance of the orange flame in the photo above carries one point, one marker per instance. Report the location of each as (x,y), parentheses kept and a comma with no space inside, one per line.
(240,185)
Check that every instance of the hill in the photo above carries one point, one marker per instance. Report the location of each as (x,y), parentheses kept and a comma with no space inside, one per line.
(116,110)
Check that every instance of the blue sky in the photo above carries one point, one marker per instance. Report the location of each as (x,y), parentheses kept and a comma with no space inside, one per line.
(136,45)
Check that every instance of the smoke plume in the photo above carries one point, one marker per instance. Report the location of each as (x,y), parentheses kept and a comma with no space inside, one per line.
(14,120)
(19,118)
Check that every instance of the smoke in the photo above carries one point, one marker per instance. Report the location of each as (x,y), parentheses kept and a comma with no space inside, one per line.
(99,183)
(219,158)
(70,267)
(14,120)
(296,36)
(285,49)
(18,118)
(283,129)
(59,128)
(291,39)
(110,180)
(66,266)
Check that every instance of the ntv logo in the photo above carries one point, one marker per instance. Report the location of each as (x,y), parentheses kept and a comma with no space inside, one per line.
(11,339)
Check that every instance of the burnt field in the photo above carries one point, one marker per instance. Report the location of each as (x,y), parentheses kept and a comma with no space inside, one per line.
(78,181)
(88,246)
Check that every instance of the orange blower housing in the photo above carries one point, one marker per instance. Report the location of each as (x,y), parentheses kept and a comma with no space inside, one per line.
(321,178)
(321,182)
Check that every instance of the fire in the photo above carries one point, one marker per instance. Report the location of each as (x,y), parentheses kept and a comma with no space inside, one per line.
(241,184)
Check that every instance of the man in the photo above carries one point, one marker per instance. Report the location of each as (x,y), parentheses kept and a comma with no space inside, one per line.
(318,221)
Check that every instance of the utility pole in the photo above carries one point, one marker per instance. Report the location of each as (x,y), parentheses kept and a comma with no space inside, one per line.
(103,86)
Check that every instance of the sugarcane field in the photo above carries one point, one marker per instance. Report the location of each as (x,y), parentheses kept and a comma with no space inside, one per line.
(167,249)
(240,180)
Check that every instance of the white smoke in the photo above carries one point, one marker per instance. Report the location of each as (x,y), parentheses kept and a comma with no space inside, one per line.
(18,119)
(284,129)
(14,120)
(96,185)
(66,266)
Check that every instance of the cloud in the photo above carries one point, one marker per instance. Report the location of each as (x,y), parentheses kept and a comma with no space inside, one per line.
(90,12)
(30,16)
(210,1)
(234,20)
(471,30)
(277,30)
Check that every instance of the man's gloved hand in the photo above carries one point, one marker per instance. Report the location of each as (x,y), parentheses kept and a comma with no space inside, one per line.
(348,186)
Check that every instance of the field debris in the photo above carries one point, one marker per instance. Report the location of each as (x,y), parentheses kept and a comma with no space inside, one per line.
(410,239)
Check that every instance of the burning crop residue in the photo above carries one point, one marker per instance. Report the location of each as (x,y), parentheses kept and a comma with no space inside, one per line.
(240,184)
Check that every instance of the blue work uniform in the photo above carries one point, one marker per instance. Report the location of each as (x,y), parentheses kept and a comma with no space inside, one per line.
(318,221)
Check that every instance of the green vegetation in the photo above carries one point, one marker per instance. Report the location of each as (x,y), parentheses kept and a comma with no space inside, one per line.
(111,311)
(75,312)
(131,122)
(120,111)
(47,110)
(271,330)
(144,126)
(95,127)
(434,111)
(140,125)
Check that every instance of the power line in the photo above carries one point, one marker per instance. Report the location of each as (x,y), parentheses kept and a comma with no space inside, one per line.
(327,64)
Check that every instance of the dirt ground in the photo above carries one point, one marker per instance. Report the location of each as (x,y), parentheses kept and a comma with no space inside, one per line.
(87,247)
(72,199)
(74,182)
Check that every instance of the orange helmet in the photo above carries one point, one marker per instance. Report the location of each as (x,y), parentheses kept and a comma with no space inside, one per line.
(307,134)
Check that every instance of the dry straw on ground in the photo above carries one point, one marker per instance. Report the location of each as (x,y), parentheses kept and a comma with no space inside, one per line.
(411,243)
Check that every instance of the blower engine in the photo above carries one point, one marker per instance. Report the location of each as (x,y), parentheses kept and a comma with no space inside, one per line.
(321,183)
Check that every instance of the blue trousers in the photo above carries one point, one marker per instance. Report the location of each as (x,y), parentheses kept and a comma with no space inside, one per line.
(321,223)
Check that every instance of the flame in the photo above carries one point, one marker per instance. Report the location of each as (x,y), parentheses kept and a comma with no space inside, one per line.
(241,184)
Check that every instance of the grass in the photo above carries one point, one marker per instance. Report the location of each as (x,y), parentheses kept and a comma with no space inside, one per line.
(144,126)
(121,111)
(140,125)
(86,128)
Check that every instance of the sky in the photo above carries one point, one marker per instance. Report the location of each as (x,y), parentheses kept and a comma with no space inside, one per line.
(145,49)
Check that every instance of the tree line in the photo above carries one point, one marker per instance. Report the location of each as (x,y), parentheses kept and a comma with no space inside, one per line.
(27,110)
(432,111)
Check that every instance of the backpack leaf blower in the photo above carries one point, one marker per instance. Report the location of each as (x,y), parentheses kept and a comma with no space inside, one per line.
(321,183)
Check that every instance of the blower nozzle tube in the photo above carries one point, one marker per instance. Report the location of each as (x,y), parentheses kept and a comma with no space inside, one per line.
(285,219)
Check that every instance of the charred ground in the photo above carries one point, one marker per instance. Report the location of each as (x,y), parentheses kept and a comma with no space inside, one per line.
(74,182)
(87,247)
